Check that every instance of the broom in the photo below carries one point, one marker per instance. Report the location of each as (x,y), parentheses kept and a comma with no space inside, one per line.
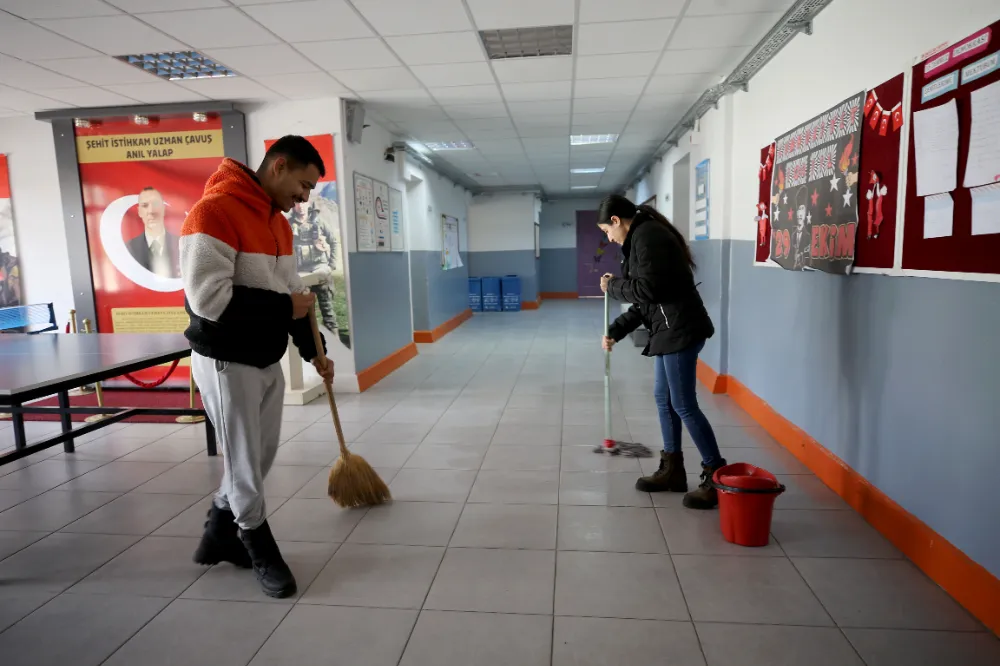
(353,482)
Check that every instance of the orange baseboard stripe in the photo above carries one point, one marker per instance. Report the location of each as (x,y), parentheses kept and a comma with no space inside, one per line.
(371,376)
(442,330)
(530,305)
(967,582)
(558,295)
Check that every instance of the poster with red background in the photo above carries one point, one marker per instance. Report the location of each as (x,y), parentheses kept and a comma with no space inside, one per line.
(138,183)
(10,276)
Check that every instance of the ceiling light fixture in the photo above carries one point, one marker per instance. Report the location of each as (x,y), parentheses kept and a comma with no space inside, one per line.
(178,65)
(533,42)
(591,139)
(588,170)
(584,187)
(438,146)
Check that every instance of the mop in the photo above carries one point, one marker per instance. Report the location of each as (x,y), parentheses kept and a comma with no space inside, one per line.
(610,445)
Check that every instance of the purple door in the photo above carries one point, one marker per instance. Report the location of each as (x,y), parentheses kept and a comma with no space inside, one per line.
(595,256)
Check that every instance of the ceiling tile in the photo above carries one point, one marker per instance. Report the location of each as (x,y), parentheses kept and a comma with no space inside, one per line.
(343,54)
(629,85)
(157,92)
(499,147)
(308,85)
(604,104)
(438,49)
(532,92)
(11,113)
(556,120)
(19,74)
(701,61)
(310,21)
(467,94)
(525,70)
(416,98)
(546,145)
(492,15)
(613,118)
(268,60)
(114,35)
(89,96)
(385,78)
(391,17)
(543,132)
(235,88)
(140,6)
(460,110)
(25,102)
(676,84)
(404,113)
(485,123)
(549,108)
(29,42)
(665,103)
(593,11)
(454,74)
(722,31)
(612,66)
(99,71)
(707,7)
(490,134)
(623,37)
(51,9)
(211,28)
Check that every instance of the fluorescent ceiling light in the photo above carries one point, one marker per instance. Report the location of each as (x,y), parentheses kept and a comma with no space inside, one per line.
(449,145)
(584,187)
(590,139)
(491,174)
(588,170)
(528,42)
(178,65)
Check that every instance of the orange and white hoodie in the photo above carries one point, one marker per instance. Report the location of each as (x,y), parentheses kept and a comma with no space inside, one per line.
(239,271)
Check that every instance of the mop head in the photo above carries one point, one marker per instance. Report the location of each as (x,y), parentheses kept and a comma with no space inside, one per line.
(354,483)
(627,449)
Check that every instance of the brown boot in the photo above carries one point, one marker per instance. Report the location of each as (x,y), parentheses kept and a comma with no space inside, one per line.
(670,477)
(706,496)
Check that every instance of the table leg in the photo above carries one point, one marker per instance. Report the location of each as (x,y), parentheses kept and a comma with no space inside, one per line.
(210,438)
(67,421)
(20,441)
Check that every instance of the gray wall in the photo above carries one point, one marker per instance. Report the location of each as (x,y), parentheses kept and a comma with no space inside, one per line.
(896,376)
(558,269)
(380,305)
(712,260)
(507,262)
(438,295)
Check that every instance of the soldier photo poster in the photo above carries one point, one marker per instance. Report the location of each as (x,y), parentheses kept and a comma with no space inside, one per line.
(814,188)
(10,275)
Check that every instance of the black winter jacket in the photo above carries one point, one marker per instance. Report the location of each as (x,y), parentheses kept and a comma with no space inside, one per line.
(658,282)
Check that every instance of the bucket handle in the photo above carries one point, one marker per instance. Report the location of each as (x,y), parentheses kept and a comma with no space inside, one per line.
(777,490)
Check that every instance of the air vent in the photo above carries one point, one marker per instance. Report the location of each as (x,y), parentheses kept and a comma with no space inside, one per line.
(178,65)
(528,42)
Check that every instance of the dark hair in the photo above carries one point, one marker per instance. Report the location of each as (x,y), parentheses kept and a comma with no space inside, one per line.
(615,205)
(149,188)
(298,151)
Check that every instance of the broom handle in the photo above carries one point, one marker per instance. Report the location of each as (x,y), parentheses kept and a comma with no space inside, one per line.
(607,372)
(318,341)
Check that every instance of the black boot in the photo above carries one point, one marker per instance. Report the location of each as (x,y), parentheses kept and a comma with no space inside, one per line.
(274,575)
(670,477)
(220,542)
(706,496)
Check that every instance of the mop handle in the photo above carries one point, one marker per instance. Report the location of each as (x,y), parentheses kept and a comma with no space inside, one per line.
(607,372)
(318,341)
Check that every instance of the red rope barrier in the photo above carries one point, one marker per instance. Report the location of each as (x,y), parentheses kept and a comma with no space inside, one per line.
(153,384)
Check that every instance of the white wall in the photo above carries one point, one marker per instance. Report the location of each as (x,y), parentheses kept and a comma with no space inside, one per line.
(430,195)
(559,221)
(502,221)
(38,215)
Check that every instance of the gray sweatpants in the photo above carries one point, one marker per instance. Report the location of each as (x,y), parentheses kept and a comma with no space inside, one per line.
(244,404)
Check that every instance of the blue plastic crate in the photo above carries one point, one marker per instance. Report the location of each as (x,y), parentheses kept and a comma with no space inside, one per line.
(491,294)
(510,290)
(476,294)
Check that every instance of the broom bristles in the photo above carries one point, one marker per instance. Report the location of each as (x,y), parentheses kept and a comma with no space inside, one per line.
(354,483)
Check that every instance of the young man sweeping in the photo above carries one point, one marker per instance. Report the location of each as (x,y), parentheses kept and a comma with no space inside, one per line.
(244,296)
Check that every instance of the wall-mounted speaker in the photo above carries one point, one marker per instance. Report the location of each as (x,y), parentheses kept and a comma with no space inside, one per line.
(354,119)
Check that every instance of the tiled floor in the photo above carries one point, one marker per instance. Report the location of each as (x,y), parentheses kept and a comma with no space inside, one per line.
(509,542)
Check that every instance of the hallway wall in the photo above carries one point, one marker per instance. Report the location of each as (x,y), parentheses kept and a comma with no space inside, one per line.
(502,238)
(558,269)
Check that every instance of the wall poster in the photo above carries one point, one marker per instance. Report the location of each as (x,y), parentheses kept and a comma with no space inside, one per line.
(397,241)
(814,190)
(701,200)
(451,256)
(364,212)
(10,275)
(382,232)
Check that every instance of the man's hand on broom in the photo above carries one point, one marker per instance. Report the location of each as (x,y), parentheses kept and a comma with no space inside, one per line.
(607,343)
(324,366)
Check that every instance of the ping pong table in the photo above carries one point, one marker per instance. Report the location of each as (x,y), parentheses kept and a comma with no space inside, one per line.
(37,366)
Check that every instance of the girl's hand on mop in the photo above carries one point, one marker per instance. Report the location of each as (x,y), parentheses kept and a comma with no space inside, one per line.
(607,343)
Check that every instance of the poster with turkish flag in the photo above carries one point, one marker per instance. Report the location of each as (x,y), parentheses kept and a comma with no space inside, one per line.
(138,182)
(814,191)
(10,276)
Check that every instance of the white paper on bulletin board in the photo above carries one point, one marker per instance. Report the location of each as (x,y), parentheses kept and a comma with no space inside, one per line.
(451,256)
(381,216)
(397,241)
(364,212)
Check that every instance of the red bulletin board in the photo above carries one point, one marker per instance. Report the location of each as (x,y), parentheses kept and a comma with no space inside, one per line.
(762,216)
(961,251)
(875,246)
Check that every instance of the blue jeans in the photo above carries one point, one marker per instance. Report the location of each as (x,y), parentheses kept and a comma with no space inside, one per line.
(675,390)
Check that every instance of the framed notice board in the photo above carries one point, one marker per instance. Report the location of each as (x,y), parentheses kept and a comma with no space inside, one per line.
(952,204)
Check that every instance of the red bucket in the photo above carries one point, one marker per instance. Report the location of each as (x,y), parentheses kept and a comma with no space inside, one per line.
(746,502)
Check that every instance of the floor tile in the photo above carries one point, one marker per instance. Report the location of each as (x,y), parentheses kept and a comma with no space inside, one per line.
(108,448)
(885,594)
(313,520)
(829,534)
(191,521)
(525,435)
(186,479)
(753,590)
(484,639)
(775,460)
(134,513)
(47,474)
(506,487)
(494,581)
(743,437)
(225,582)
(522,458)
(584,459)
(384,455)
(338,636)
(621,585)
(395,433)
(588,641)
(408,524)
(511,526)
(809,493)
(610,528)
(88,629)
(466,435)
(11,498)
(318,486)
(154,567)
(11,542)
(749,645)
(60,560)
(320,454)
(447,456)
(691,532)
(601,489)
(593,435)
(427,485)
(882,647)
(52,510)
(119,477)
(201,633)
(20,603)
(532,417)
(376,576)
(171,449)
(286,480)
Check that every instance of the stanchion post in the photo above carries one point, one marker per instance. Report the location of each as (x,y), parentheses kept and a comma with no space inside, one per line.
(81,390)
(190,418)
(97,387)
